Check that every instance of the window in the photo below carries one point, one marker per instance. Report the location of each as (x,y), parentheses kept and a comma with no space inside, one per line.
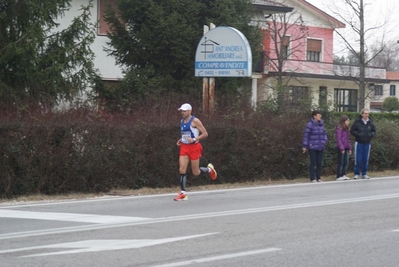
(392,90)
(345,99)
(313,50)
(297,95)
(103,26)
(285,42)
(260,65)
(322,96)
(378,90)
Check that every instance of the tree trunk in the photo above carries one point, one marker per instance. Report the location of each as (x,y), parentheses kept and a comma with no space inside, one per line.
(362,59)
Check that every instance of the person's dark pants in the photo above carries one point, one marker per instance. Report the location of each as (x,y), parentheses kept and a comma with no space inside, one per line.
(362,155)
(316,157)
(343,160)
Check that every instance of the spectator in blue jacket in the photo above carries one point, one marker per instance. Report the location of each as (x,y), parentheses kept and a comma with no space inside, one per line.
(363,129)
(344,148)
(314,141)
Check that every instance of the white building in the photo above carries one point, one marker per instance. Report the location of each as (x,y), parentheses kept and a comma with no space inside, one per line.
(382,91)
(104,63)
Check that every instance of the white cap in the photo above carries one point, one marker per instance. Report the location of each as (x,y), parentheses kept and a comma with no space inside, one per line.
(185,107)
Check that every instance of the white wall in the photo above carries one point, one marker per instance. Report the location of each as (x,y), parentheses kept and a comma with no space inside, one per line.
(387,88)
(104,63)
(313,84)
(310,16)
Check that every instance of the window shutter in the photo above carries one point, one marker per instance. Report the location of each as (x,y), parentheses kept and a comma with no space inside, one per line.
(285,40)
(314,45)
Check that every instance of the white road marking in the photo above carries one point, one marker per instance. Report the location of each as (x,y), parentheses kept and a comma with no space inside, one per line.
(195,216)
(100,245)
(68,217)
(113,198)
(216,258)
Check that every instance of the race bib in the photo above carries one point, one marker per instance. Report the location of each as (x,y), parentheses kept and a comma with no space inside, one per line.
(184,136)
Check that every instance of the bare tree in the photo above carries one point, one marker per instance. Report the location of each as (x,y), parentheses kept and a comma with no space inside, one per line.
(353,14)
(349,59)
(389,56)
(287,34)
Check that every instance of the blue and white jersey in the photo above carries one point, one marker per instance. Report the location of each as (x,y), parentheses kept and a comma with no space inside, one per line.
(188,131)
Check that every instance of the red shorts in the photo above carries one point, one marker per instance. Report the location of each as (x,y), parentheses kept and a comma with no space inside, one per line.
(193,151)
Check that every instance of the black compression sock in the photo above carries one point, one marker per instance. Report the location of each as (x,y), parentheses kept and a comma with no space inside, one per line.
(204,170)
(183,180)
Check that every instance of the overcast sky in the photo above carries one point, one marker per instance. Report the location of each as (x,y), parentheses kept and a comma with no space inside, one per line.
(382,14)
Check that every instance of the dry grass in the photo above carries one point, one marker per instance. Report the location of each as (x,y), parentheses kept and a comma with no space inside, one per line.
(154,191)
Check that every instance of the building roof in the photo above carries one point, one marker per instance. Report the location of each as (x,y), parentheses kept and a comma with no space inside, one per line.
(276,6)
(334,22)
(272,6)
(392,75)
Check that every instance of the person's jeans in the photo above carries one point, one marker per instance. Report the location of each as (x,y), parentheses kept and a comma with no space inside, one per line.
(343,160)
(362,155)
(316,158)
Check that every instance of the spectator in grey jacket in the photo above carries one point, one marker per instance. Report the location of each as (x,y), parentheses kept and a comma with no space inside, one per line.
(314,141)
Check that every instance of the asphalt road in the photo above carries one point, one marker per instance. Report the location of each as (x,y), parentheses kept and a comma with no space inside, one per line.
(346,223)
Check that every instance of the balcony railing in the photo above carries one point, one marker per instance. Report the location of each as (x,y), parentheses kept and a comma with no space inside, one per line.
(320,68)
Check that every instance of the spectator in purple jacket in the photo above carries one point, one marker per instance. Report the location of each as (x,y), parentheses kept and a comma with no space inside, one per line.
(344,148)
(314,141)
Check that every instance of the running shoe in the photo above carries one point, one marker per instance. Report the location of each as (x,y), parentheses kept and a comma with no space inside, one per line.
(346,177)
(341,178)
(356,177)
(213,172)
(181,196)
(365,177)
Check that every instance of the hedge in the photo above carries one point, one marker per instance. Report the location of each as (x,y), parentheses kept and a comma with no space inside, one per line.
(64,153)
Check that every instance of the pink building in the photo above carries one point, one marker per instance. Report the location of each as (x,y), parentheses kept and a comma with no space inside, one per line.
(298,51)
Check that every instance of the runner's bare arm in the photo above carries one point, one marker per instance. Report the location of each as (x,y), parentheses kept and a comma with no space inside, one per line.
(198,124)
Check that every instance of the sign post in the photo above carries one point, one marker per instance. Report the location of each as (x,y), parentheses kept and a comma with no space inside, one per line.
(205,83)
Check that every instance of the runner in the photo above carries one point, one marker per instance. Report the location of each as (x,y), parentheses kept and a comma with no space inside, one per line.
(192,132)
